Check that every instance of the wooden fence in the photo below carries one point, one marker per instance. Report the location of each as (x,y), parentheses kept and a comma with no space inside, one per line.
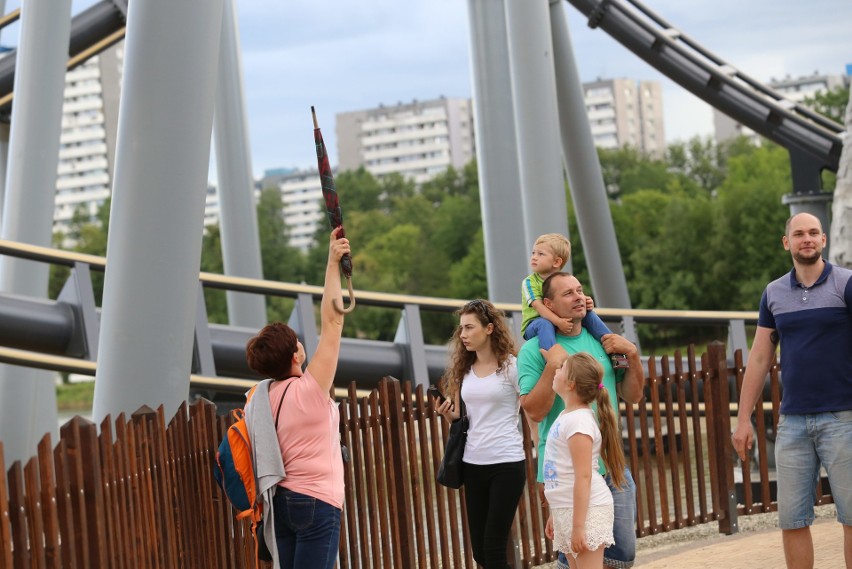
(141,494)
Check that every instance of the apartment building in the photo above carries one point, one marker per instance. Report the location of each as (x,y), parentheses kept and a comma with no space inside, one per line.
(301,193)
(87,140)
(418,140)
(626,112)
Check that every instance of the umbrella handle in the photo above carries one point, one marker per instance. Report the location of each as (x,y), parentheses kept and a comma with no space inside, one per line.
(338,305)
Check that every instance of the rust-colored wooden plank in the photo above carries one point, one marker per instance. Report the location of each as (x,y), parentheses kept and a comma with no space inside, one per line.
(437,440)
(110,494)
(93,494)
(185,527)
(647,469)
(660,454)
(35,520)
(686,460)
(18,517)
(413,414)
(383,471)
(537,515)
(697,436)
(127,506)
(5,527)
(139,492)
(63,507)
(214,496)
(348,524)
(633,461)
(166,505)
(357,500)
(710,412)
(667,384)
(371,475)
(399,492)
(70,433)
(203,451)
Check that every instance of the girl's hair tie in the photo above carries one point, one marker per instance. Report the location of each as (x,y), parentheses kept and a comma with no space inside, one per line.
(600,386)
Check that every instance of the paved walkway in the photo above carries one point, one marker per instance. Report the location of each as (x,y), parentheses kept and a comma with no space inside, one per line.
(760,549)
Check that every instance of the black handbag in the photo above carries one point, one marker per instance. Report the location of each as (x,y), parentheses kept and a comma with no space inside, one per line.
(450,471)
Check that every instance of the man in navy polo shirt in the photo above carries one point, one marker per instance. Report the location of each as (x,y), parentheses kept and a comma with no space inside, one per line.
(809,312)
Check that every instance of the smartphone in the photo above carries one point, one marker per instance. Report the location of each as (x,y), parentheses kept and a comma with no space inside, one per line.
(436,393)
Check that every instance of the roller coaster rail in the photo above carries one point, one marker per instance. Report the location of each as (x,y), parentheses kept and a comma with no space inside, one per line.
(62,334)
(813,141)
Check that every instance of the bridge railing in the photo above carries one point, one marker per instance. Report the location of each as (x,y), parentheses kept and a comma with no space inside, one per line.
(141,493)
(63,334)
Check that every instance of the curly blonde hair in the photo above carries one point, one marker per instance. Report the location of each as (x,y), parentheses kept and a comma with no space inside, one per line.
(461,359)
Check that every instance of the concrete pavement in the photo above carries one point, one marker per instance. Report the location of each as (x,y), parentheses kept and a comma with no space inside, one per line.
(752,550)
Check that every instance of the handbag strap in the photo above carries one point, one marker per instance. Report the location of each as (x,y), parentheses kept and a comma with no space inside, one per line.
(281,404)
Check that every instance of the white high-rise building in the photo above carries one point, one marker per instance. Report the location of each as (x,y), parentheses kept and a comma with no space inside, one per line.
(87,142)
(301,193)
(417,140)
(626,112)
(88,138)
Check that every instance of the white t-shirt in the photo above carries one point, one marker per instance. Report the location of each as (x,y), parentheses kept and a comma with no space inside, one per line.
(559,468)
(493,406)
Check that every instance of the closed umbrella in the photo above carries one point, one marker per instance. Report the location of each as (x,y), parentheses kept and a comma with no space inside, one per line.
(332,206)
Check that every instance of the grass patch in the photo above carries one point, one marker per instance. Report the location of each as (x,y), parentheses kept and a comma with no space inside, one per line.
(75,396)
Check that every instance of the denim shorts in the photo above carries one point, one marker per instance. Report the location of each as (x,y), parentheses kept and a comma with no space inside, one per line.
(802,444)
(622,554)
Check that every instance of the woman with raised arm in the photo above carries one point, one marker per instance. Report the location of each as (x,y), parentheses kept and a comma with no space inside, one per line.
(307,493)
(483,375)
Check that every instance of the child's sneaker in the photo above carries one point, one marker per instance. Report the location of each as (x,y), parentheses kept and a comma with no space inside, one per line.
(619,361)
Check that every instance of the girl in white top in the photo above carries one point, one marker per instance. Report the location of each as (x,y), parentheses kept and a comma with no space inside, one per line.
(483,373)
(581,507)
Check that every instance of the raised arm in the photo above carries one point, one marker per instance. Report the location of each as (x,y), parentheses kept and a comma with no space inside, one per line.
(324,362)
(759,362)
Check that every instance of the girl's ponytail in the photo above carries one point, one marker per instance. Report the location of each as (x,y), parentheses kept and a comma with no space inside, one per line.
(612,452)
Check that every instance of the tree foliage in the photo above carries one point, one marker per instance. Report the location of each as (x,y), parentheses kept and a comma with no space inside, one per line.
(698,230)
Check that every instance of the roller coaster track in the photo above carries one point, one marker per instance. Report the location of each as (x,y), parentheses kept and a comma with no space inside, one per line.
(800,130)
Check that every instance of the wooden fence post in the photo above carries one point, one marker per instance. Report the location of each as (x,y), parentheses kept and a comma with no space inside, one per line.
(720,392)
(399,494)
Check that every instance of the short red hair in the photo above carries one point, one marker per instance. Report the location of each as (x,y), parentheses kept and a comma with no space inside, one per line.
(270,353)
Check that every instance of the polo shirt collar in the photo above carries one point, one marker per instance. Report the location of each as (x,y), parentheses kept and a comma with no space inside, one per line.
(826,270)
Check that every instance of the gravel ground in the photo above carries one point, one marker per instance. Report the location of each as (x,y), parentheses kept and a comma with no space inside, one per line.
(656,544)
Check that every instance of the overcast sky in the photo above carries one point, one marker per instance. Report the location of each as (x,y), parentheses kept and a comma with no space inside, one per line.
(343,55)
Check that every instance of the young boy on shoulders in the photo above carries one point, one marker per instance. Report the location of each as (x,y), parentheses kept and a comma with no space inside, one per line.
(550,253)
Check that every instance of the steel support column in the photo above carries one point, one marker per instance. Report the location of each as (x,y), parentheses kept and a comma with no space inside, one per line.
(157,216)
(506,247)
(534,92)
(584,172)
(237,213)
(27,396)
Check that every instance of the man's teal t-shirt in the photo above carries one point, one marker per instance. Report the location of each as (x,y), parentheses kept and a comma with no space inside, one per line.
(531,363)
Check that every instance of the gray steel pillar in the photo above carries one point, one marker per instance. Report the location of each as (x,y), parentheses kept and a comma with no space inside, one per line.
(534,92)
(584,173)
(164,130)
(4,162)
(506,247)
(28,396)
(237,212)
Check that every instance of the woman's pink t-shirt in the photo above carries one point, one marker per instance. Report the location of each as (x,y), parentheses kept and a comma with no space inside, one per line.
(309,437)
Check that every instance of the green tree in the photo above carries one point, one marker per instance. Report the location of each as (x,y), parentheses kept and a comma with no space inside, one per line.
(831,104)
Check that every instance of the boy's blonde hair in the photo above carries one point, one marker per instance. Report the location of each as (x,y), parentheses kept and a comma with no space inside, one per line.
(559,246)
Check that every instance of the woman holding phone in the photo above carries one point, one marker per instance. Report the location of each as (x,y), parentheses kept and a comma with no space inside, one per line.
(483,373)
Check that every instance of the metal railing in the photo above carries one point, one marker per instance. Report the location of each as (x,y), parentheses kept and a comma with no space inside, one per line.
(63,334)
